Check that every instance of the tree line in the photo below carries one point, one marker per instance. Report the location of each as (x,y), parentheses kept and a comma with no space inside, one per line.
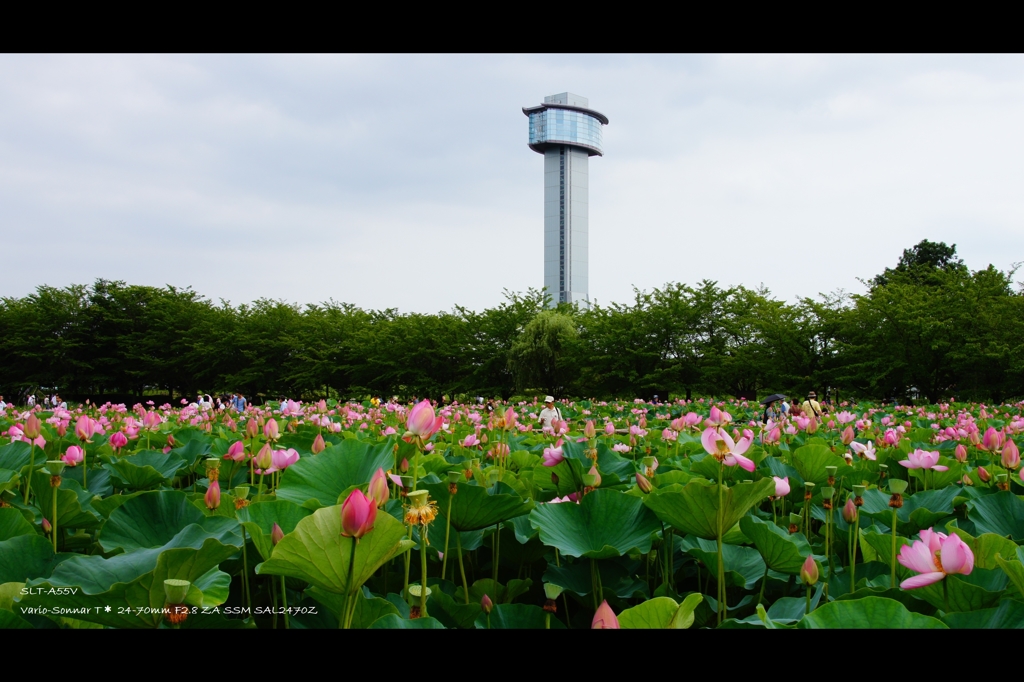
(928,328)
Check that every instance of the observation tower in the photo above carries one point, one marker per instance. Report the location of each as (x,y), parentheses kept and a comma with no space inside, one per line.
(567,132)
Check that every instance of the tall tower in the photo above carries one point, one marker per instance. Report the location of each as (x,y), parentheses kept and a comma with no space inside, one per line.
(567,132)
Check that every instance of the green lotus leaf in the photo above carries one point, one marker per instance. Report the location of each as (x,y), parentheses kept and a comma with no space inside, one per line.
(743,565)
(325,476)
(13,524)
(661,613)
(498,593)
(318,553)
(17,456)
(259,519)
(1014,567)
(24,557)
(986,547)
(154,519)
(451,612)
(517,617)
(693,508)
(810,461)
(369,609)
(197,445)
(145,470)
(73,503)
(1008,615)
(981,589)
(618,577)
(131,584)
(394,622)
(11,621)
(606,523)
(106,505)
(1001,513)
(868,613)
(9,480)
(474,507)
(781,551)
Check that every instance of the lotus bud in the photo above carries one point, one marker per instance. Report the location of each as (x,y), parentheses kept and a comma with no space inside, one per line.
(487,604)
(252,429)
(960,453)
(809,571)
(271,429)
(849,511)
(609,429)
(265,457)
(46,526)
(984,475)
(589,481)
(643,483)
(604,618)
(589,430)
(318,445)
(404,466)
(848,435)
(378,488)
(33,428)
(276,534)
(967,480)
(596,474)
(212,497)
(118,440)
(1010,455)
(358,514)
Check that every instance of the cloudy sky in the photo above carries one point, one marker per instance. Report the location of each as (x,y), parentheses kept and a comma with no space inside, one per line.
(405,181)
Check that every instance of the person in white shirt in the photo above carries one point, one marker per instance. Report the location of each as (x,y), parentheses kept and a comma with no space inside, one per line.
(32,400)
(3,405)
(549,412)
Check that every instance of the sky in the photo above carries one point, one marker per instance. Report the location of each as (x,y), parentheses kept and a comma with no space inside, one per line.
(406,181)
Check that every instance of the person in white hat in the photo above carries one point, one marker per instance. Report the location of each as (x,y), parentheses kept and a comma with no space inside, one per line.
(549,412)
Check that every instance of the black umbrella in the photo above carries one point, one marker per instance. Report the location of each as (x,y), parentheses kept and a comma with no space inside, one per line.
(772,398)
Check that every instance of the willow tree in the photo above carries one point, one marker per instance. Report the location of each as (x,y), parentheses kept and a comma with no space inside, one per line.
(538,358)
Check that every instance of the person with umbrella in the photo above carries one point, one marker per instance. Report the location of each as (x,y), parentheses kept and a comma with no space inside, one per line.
(772,409)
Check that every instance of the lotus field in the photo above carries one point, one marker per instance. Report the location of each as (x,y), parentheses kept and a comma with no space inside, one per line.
(624,515)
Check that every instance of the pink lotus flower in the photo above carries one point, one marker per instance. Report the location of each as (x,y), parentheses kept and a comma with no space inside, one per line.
(358,514)
(604,618)
(609,428)
(378,488)
(669,435)
(891,438)
(86,428)
(781,486)
(271,431)
(935,556)
(282,459)
(772,436)
(960,453)
(264,459)
(252,429)
(276,535)
(73,456)
(692,419)
(236,452)
(621,448)
(151,421)
(847,437)
(845,417)
(212,497)
(866,450)
(721,445)
(984,475)
(553,456)
(589,430)
(717,417)
(422,423)
(290,408)
(470,441)
(923,459)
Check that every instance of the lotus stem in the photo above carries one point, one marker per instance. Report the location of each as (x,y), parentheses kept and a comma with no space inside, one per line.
(423,570)
(55,519)
(721,567)
(447,532)
(31,467)
(853,551)
(892,574)
(343,621)
(284,603)
(462,567)
(245,572)
(764,581)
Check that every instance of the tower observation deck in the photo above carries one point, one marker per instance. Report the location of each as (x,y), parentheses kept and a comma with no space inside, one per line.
(567,132)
